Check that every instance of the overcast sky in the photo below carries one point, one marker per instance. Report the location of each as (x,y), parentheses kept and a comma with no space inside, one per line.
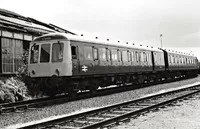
(139,21)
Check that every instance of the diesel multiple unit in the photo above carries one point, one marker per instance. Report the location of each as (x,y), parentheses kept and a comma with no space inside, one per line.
(68,63)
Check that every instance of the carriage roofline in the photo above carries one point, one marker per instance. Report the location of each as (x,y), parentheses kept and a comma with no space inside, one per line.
(107,43)
(97,41)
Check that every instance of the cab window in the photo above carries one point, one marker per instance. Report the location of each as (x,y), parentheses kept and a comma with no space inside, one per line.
(34,54)
(74,52)
(57,52)
(45,53)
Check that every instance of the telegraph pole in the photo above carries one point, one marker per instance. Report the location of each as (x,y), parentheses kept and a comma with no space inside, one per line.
(161,39)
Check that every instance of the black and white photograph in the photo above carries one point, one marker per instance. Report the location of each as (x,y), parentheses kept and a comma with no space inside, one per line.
(99,64)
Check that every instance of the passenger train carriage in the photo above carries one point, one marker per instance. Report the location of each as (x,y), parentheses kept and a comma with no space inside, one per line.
(67,63)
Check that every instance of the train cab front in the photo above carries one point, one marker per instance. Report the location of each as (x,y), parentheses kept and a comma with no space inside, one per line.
(48,62)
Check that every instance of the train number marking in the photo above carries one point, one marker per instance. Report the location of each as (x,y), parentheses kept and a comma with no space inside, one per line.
(84,68)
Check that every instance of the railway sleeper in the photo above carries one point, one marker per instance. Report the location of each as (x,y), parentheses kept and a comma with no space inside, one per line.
(120,111)
(110,115)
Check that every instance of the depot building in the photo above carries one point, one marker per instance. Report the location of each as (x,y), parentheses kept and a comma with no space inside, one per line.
(16,32)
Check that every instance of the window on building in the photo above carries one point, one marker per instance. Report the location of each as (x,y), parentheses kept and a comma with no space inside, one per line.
(12,51)
(45,53)
(57,52)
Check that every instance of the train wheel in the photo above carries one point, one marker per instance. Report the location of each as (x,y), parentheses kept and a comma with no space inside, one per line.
(50,92)
(71,92)
(93,88)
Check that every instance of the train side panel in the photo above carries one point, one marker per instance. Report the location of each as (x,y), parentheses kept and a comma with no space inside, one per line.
(92,59)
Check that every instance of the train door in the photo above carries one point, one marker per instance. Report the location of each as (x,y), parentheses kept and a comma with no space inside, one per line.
(103,64)
(96,64)
(75,59)
(153,60)
(86,59)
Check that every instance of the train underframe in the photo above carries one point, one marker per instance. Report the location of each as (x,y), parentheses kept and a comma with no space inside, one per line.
(71,85)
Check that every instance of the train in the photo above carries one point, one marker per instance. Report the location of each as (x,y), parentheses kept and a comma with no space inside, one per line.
(64,63)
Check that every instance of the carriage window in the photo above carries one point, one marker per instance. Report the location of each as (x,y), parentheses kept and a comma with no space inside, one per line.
(141,57)
(57,52)
(102,53)
(174,59)
(132,56)
(108,54)
(145,57)
(129,56)
(114,55)
(74,52)
(45,53)
(88,53)
(137,56)
(34,54)
(119,53)
(177,60)
(181,60)
(125,56)
(95,53)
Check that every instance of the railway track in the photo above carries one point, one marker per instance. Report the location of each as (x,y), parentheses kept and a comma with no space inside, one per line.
(47,101)
(109,115)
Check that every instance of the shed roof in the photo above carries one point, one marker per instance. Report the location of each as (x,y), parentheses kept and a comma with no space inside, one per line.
(14,21)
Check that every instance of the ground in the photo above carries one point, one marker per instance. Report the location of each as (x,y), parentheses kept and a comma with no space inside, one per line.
(183,115)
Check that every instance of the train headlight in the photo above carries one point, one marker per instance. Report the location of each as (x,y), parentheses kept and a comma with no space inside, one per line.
(33,72)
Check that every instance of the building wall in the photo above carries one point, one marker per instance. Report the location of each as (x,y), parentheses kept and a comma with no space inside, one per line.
(12,47)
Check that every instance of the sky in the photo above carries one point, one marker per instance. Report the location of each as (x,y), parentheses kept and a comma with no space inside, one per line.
(133,21)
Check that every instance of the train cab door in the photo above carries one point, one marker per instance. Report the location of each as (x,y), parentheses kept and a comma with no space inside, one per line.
(75,59)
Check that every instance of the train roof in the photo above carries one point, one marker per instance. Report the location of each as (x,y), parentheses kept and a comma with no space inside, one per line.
(103,42)
(95,41)
(179,53)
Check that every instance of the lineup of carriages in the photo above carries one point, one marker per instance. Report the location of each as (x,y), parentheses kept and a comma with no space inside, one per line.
(61,62)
